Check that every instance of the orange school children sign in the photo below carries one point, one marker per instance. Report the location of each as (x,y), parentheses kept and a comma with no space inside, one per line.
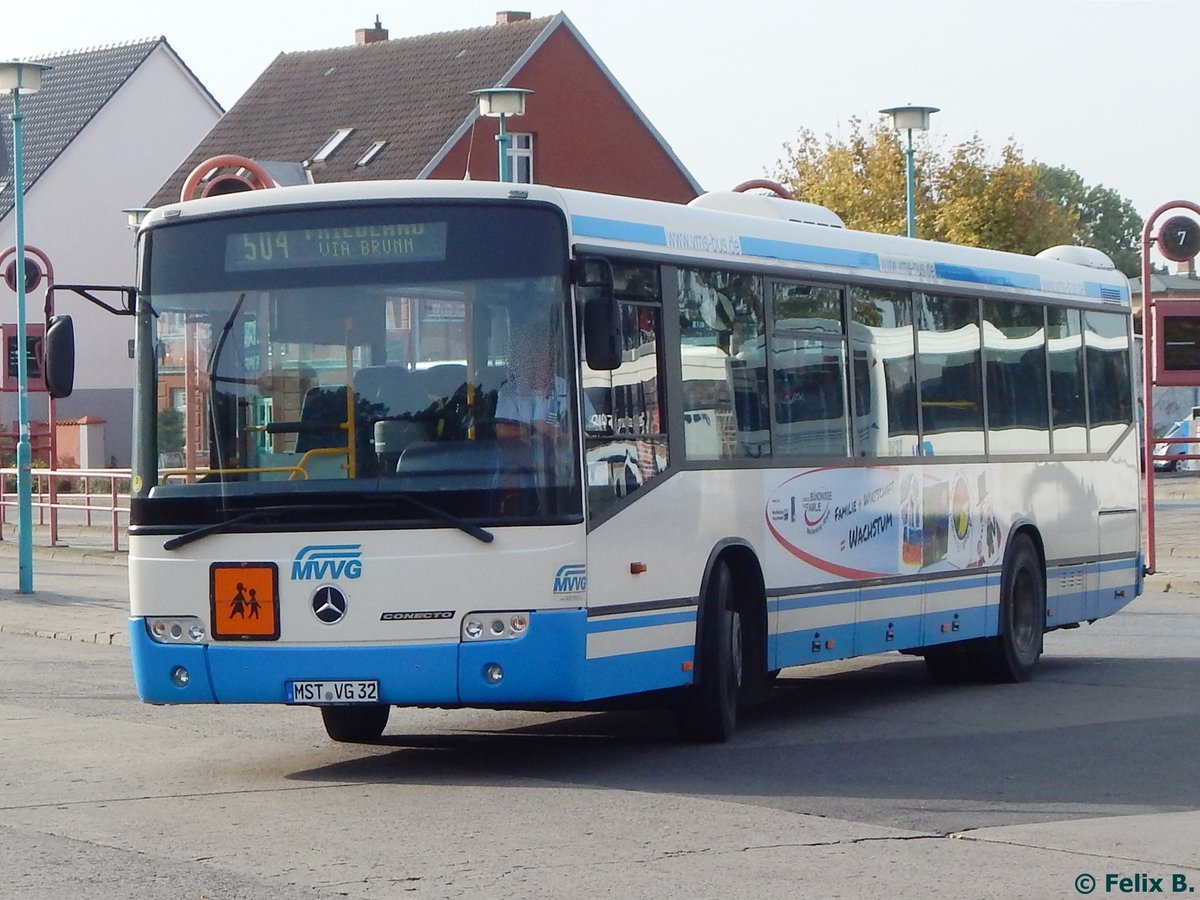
(244,601)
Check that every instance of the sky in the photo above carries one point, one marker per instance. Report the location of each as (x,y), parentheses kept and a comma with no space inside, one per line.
(1093,86)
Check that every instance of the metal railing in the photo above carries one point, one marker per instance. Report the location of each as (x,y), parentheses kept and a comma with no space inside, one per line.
(85,500)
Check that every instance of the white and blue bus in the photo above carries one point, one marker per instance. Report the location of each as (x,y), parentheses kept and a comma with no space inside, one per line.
(764,442)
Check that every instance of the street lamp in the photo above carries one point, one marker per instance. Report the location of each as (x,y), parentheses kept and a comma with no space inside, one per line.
(500,103)
(135,216)
(17,78)
(910,119)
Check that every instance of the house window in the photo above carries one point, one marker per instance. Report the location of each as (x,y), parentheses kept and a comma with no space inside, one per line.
(332,144)
(520,157)
(372,152)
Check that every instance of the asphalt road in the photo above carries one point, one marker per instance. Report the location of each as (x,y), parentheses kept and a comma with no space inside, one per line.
(856,780)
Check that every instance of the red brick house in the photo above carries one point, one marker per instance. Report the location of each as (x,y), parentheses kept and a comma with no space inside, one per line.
(386,109)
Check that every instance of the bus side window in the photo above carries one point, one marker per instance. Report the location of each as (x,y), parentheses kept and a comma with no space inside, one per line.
(808,356)
(625,418)
(950,372)
(885,372)
(722,338)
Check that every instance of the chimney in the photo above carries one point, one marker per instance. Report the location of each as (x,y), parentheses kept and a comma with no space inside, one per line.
(508,16)
(1186,268)
(371,35)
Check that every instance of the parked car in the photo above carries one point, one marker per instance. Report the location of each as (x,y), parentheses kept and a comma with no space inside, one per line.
(1179,429)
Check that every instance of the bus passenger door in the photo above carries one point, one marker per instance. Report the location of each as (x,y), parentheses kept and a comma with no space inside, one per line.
(634,644)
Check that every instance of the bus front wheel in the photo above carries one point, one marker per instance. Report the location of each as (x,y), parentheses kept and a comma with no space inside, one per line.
(710,708)
(355,724)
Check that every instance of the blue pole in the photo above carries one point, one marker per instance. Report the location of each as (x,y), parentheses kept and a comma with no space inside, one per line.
(908,190)
(24,454)
(502,140)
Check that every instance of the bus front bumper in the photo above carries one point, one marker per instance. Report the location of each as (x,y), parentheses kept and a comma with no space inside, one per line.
(545,665)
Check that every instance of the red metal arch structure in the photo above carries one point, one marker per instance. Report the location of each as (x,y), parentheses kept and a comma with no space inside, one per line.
(765,184)
(225,174)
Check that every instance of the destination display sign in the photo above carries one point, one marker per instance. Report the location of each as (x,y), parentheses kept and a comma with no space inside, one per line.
(356,245)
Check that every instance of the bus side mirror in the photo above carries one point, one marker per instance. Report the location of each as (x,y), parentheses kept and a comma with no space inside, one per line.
(602,333)
(59,356)
(601,314)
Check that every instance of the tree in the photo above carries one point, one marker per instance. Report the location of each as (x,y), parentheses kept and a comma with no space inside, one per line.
(861,179)
(997,206)
(170,430)
(1107,221)
(961,197)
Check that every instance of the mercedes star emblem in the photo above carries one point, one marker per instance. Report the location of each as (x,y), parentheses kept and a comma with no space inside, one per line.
(329,605)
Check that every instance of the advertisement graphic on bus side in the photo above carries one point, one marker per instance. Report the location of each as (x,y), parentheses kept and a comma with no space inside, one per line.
(865,523)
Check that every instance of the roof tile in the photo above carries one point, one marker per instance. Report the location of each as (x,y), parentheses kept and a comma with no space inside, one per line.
(411,93)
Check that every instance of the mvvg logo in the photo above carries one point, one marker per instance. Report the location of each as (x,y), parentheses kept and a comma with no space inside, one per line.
(570,579)
(321,561)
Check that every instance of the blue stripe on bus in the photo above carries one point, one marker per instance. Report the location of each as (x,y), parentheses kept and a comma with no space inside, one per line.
(980,275)
(656,235)
(871,636)
(809,253)
(1105,291)
(153,663)
(1066,608)
(595,626)
(632,673)
(545,665)
(810,601)
(956,584)
(618,230)
(795,648)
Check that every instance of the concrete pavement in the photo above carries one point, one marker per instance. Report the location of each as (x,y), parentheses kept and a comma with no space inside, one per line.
(80,587)
(81,594)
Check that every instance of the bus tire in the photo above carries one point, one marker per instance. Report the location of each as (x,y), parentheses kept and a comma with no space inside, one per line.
(355,724)
(1012,655)
(709,711)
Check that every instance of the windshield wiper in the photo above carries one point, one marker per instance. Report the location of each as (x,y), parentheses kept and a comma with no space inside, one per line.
(216,527)
(266,512)
(449,518)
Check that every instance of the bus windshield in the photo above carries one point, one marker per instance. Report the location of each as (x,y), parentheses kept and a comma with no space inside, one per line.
(412,351)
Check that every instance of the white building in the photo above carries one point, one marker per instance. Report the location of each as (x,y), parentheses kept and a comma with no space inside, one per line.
(105,131)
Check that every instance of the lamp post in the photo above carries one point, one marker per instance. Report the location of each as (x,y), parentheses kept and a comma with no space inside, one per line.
(910,119)
(500,103)
(135,216)
(17,78)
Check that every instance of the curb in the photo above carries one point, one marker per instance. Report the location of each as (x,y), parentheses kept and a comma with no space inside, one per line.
(118,638)
(65,552)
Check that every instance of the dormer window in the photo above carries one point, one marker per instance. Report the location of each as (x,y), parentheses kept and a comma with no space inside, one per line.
(332,144)
(372,152)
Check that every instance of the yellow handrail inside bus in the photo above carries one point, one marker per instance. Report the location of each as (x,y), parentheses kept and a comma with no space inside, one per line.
(249,470)
(302,466)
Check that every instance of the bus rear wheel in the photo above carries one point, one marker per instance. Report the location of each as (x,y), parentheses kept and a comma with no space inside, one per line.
(1012,655)
(355,724)
(710,708)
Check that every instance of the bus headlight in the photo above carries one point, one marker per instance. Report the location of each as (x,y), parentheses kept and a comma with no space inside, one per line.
(499,626)
(176,629)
